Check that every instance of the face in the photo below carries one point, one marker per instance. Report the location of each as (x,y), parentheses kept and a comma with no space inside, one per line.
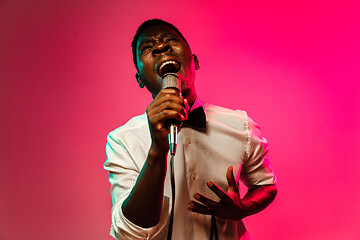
(161,50)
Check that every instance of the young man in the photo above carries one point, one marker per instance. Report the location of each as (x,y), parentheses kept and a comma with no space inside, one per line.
(216,148)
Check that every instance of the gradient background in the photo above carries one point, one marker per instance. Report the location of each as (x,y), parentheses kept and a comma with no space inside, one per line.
(67,79)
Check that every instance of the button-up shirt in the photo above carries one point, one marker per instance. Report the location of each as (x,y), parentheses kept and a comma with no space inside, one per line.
(230,138)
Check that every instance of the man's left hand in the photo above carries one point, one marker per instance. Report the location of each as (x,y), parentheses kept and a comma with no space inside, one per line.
(230,205)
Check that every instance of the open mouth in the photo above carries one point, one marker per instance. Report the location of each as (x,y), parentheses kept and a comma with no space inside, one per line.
(169,66)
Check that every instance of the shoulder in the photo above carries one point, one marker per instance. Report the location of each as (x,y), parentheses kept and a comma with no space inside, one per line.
(233,118)
(134,128)
(222,111)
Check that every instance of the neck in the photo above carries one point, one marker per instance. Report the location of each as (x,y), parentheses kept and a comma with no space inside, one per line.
(190,96)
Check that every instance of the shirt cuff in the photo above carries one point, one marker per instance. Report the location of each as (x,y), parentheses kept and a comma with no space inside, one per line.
(123,228)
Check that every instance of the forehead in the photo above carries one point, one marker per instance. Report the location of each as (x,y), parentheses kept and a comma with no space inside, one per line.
(156,31)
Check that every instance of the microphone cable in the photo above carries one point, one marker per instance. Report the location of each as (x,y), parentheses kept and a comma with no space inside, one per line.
(172,180)
(213,230)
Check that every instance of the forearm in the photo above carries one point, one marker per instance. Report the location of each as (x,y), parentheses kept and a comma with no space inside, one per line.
(258,199)
(143,205)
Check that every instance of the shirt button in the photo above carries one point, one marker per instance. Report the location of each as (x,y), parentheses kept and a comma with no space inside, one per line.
(193,176)
(188,140)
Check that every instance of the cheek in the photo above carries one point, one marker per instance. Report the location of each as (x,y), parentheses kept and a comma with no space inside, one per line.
(143,62)
(189,61)
(146,61)
(146,69)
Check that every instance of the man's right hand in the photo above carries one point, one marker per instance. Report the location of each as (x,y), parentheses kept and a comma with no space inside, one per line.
(167,105)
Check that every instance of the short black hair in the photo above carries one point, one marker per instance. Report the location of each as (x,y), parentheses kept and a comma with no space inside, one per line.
(147,24)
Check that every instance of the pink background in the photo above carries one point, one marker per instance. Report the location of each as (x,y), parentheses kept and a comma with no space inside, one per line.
(67,79)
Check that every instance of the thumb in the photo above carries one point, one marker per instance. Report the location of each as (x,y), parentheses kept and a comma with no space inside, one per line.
(233,186)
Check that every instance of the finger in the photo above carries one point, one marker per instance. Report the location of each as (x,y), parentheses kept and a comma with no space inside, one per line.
(199,208)
(219,192)
(160,110)
(168,102)
(169,115)
(187,106)
(204,200)
(172,106)
(231,179)
(166,99)
(161,99)
(165,91)
(168,94)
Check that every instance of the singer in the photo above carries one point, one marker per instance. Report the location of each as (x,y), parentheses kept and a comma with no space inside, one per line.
(216,148)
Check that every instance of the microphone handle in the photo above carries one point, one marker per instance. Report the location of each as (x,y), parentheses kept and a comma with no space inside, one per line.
(173,138)
(171,80)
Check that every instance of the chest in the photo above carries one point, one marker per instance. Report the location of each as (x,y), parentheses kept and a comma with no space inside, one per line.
(204,156)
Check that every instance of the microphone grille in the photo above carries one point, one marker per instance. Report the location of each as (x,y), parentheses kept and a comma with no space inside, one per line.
(171,80)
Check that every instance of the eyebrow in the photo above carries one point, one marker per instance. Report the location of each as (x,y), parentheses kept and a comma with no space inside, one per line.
(144,41)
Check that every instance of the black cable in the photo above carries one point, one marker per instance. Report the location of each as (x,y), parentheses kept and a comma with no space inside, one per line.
(213,230)
(172,178)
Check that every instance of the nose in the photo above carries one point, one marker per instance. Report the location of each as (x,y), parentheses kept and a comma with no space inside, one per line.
(161,48)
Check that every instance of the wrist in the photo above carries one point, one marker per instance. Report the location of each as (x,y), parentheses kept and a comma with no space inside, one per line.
(157,157)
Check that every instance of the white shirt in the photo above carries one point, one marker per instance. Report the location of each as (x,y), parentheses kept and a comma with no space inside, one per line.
(231,138)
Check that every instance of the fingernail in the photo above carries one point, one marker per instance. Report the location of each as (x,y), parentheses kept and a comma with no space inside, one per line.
(210,184)
(196,196)
(187,107)
(191,203)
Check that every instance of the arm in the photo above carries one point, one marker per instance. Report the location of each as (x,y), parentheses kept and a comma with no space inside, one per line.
(257,199)
(143,205)
(231,206)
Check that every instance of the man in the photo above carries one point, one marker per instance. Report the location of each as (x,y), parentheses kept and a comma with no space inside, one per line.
(210,160)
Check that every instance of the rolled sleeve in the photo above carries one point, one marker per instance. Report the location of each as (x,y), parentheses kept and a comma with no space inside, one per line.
(122,228)
(257,170)
(123,173)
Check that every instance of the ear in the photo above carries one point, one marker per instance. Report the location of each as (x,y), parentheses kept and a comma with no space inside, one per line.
(196,61)
(138,79)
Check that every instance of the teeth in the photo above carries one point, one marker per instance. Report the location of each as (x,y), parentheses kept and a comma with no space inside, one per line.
(166,63)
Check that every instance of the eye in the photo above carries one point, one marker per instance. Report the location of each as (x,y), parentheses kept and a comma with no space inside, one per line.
(170,39)
(146,47)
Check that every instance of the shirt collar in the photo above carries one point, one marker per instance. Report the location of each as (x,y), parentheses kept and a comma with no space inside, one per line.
(197,103)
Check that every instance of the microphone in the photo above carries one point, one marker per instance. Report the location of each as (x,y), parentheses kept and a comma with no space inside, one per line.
(171,80)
